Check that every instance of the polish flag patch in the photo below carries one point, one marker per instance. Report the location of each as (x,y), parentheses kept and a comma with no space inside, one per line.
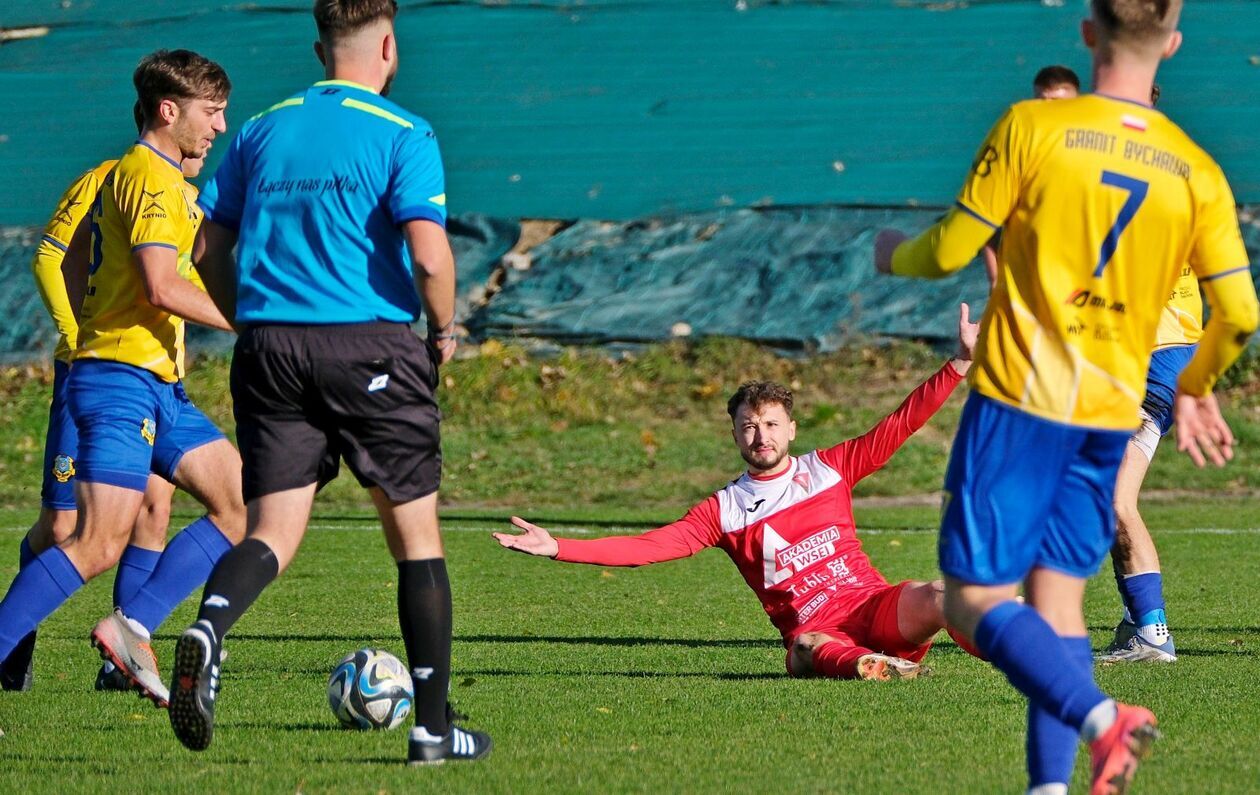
(1134,122)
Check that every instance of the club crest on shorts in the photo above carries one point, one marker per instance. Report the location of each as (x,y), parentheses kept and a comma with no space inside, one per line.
(63,468)
(148,429)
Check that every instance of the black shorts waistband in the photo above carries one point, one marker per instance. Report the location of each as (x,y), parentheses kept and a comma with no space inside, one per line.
(373,329)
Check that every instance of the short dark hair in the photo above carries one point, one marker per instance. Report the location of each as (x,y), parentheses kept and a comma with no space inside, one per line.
(137,113)
(1140,22)
(1056,75)
(180,75)
(760,393)
(336,18)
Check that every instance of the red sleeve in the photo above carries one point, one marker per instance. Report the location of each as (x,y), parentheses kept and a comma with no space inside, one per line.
(857,458)
(699,529)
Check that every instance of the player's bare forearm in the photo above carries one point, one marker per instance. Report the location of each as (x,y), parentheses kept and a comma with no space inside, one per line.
(172,293)
(212,256)
(968,334)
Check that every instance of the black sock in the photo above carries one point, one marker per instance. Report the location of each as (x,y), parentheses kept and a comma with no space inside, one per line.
(237,580)
(424,614)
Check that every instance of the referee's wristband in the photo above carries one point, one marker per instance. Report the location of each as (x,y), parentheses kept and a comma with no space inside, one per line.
(439,333)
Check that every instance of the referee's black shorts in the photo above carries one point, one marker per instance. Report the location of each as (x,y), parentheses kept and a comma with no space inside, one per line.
(307,396)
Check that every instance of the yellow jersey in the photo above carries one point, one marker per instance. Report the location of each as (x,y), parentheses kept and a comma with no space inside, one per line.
(143,202)
(1181,322)
(46,266)
(1102,203)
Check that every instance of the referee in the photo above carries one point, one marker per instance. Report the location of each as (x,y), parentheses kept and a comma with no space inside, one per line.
(335,199)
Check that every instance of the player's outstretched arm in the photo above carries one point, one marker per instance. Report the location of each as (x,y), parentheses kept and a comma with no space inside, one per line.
(947,246)
(699,529)
(533,540)
(984,203)
(859,457)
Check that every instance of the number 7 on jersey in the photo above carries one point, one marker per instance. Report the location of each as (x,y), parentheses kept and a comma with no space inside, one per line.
(1137,190)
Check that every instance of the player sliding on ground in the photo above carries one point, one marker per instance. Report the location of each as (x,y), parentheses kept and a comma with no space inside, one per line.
(787,524)
(1102,201)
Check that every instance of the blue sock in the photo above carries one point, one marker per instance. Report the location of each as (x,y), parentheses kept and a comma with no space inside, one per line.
(1037,662)
(134,568)
(38,590)
(182,568)
(25,555)
(1143,594)
(1051,745)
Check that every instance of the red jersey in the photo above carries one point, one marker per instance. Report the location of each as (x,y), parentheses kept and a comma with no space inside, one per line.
(792,535)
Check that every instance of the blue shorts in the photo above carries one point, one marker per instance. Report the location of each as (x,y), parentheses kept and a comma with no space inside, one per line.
(132,423)
(61,447)
(1161,383)
(1022,492)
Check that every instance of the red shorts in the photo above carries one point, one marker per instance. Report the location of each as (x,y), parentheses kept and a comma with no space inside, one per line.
(871,625)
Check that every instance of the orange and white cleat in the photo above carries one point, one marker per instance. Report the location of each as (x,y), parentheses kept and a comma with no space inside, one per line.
(1116,754)
(132,655)
(882,668)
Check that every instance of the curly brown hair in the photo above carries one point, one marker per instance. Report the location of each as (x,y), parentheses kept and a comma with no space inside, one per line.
(760,393)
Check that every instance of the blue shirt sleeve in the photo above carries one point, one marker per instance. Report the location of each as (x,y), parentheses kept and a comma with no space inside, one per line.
(419,183)
(223,198)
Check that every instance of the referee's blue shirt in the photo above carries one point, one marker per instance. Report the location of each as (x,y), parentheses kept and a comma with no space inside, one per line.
(317,187)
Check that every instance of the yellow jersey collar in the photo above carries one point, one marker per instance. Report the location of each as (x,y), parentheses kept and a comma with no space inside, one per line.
(349,83)
(155,151)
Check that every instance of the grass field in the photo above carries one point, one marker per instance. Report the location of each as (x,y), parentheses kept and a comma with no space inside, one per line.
(664,678)
(640,434)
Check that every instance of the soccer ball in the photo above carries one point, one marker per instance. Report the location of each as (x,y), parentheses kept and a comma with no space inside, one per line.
(370,689)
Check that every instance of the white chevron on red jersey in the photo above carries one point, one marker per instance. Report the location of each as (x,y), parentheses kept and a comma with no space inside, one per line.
(792,536)
(793,539)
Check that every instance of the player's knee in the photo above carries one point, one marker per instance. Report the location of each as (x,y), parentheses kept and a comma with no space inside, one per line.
(152,524)
(227,511)
(60,526)
(1127,515)
(231,521)
(98,555)
(52,528)
(801,656)
(930,601)
(961,612)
